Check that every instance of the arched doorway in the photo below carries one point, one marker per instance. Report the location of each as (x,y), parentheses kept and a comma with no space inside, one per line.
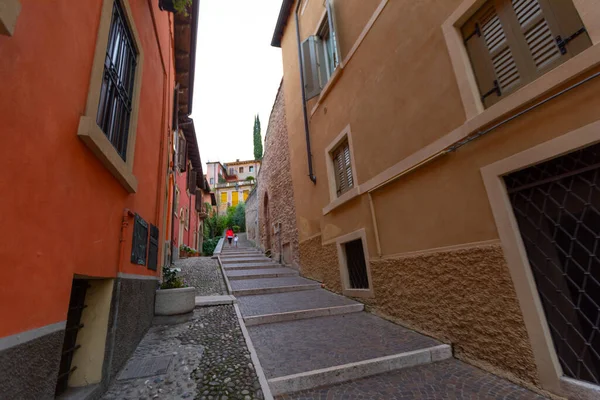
(267,223)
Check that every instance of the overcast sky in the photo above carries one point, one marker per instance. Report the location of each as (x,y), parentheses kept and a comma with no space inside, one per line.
(237,75)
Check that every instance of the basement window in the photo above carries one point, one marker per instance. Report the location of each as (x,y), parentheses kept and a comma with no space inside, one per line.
(356,265)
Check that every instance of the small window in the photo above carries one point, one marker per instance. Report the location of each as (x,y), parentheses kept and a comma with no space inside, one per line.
(342,167)
(513,42)
(116,94)
(356,264)
(329,53)
(212,181)
(231,171)
(251,168)
(241,170)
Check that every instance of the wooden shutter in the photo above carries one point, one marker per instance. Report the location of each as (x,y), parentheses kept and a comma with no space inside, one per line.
(491,56)
(331,20)
(181,154)
(235,196)
(309,67)
(153,248)
(139,242)
(223,197)
(191,184)
(343,168)
(199,198)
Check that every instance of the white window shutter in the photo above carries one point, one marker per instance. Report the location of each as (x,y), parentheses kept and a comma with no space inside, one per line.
(312,87)
(333,32)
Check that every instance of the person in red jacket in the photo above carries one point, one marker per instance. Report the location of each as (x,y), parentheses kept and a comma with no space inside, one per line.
(229,235)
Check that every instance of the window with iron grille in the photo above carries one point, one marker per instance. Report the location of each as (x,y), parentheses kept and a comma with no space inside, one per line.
(139,245)
(153,248)
(513,42)
(356,264)
(342,167)
(557,208)
(114,109)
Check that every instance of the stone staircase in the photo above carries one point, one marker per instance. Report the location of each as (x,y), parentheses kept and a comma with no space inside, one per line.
(308,337)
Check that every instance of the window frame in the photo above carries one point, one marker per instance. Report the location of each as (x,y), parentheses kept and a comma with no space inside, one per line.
(88,130)
(241,170)
(467,84)
(340,243)
(335,199)
(251,168)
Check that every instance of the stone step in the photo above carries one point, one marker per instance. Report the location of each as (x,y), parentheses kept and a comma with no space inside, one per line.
(292,302)
(245,260)
(261,273)
(209,301)
(303,354)
(248,287)
(250,266)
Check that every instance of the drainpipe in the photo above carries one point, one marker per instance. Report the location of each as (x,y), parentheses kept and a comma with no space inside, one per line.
(174,175)
(311,175)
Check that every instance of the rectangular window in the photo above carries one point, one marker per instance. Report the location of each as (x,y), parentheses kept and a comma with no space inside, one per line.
(231,170)
(223,197)
(251,168)
(513,42)
(212,181)
(181,153)
(357,267)
(116,94)
(139,245)
(241,170)
(342,167)
(235,198)
(320,55)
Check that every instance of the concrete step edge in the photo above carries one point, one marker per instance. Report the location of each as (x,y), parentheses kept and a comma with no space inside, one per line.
(245,260)
(251,267)
(303,314)
(343,373)
(275,289)
(262,276)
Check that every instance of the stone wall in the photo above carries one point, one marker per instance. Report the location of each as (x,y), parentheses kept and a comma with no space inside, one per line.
(320,263)
(252,217)
(274,193)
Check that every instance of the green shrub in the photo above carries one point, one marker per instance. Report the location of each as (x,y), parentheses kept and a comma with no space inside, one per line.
(170,278)
(208,246)
(236,229)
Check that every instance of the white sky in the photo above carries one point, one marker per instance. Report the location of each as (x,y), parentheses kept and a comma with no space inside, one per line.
(237,75)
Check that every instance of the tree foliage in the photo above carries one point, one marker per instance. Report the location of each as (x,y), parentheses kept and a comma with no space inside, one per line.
(258,147)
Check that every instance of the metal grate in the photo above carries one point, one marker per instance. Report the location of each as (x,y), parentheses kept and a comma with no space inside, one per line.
(139,245)
(557,207)
(76,306)
(114,109)
(357,267)
(153,248)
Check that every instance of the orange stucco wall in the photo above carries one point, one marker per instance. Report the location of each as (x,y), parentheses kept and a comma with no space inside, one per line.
(62,210)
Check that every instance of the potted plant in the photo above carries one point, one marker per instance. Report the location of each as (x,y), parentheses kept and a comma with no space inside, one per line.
(174,6)
(173,297)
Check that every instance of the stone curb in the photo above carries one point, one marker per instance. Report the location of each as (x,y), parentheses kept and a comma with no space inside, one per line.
(224,275)
(303,314)
(275,289)
(342,373)
(209,301)
(262,379)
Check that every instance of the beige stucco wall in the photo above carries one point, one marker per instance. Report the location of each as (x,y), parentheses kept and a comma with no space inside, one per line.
(399,94)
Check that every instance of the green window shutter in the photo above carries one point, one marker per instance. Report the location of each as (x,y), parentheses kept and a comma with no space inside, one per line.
(333,32)
(310,67)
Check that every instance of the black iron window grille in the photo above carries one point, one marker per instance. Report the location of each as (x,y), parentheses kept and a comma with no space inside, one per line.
(139,245)
(557,207)
(70,346)
(116,95)
(153,248)
(357,267)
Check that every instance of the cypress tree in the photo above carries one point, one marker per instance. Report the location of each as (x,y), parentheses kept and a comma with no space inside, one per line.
(258,148)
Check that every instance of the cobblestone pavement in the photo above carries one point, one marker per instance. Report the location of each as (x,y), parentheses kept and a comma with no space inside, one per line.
(210,361)
(204,274)
(449,379)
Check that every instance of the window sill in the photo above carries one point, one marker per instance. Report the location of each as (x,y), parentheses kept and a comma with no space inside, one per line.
(328,86)
(9,12)
(346,197)
(93,137)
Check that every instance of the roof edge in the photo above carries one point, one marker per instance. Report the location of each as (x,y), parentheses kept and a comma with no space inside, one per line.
(282,20)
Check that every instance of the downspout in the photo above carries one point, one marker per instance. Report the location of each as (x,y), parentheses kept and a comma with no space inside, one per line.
(312,177)
(174,175)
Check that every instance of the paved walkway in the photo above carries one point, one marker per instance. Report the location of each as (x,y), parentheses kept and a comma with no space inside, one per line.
(314,344)
(205,358)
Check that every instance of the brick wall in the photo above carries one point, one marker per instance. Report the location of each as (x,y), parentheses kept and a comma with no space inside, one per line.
(273,198)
